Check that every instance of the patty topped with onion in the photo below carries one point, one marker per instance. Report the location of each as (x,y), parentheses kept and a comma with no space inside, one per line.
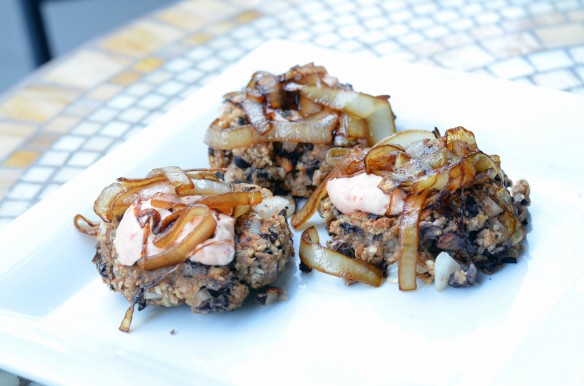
(436,206)
(276,131)
(187,237)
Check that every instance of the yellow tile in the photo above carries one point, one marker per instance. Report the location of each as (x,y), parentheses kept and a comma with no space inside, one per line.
(140,38)
(126,78)
(61,124)
(561,35)
(104,92)
(8,177)
(198,38)
(43,140)
(21,159)
(247,16)
(85,69)
(222,28)
(192,15)
(148,64)
(36,103)
(12,135)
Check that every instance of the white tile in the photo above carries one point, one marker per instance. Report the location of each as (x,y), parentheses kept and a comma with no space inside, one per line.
(461,24)
(134,131)
(402,56)
(221,42)
(577,90)
(86,128)
(436,32)
(234,53)
(66,173)
(526,80)
(38,174)
(345,8)
(386,47)
(98,143)
(488,18)
(264,23)
(550,60)
(328,40)
(190,76)
(158,77)
(151,101)
(424,8)
(13,208)
(421,23)
(133,114)
(69,143)
(396,30)
(377,22)
(240,33)
(558,79)
(411,39)
(320,16)
(139,89)
(321,28)
(351,31)
(512,68)
(198,53)
(401,16)
(170,88)
(472,9)
(349,45)
(104,114)
(83,158)
(465,58)
(152,117)
(540,8)
(445,16)
(54,158)
(178,65)
(121,102)
(393,5)
(577,53)
(568,5)
(50,188)
(24,191)
(115,129)
(372,37)
(170,104)
(188,91)
(512,13)
(210,64)
(368,12)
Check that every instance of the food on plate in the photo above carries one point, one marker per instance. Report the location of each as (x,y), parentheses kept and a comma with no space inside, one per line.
(276,131)
(436,206)
(187,237)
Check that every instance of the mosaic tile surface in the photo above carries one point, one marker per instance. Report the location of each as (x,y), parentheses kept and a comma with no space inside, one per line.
(70,113)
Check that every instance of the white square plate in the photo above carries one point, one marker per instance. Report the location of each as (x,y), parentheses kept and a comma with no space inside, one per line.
(522,325)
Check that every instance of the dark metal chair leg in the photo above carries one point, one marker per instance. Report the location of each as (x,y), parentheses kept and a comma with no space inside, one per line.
(37,33)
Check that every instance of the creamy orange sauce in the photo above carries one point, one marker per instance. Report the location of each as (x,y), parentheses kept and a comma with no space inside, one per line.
(361,193)
(218,250)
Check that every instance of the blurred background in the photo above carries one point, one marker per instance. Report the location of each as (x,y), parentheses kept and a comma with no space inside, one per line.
(69,23)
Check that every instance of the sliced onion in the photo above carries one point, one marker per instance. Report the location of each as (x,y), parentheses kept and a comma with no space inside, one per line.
(176,176)
(232,138)
(334,263)
(376,111)
(240,210)
(407,248)
(231,199)
(406,138)
(106,200)
(257,116)
(208,187)
(271,207)
(336,154)
(177,252)
(84,225)
(379,157)
(355,127)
